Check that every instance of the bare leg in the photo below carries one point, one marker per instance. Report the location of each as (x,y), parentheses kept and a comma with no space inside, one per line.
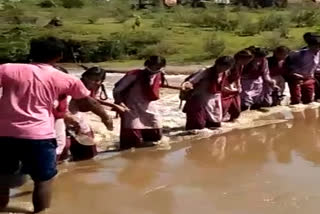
(4,197)
(42,195)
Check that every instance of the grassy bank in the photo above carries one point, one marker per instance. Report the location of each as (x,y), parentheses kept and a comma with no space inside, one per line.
(112,32)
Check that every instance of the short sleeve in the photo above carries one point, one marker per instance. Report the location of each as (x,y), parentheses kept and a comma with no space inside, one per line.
(1,75)
(77,90)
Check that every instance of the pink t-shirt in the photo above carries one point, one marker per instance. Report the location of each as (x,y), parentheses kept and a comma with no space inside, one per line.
(29,92)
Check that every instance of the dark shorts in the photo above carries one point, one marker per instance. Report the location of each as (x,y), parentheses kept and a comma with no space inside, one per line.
(34,157)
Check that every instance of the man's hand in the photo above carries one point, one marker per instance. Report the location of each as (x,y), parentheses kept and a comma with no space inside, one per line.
(187,86)
(108,123)
(122,108)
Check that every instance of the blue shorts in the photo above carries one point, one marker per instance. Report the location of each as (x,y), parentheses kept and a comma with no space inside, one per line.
(34,157)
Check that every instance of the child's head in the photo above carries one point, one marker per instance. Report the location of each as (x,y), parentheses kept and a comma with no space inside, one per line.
(243,57)
(281,53)
(93,77)
(223,64)
(313,41)
(46,50)
(154,64)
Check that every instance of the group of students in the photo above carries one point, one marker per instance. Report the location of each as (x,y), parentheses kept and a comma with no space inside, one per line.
(248,80)
(43,109)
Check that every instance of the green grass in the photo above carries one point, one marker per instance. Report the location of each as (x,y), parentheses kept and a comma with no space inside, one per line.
(183,40)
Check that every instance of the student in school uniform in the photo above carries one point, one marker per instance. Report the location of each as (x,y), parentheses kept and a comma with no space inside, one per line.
(301,66)
(203,108)
(139,91)
(231,100)
(277,72)
(93,79)
(254,77)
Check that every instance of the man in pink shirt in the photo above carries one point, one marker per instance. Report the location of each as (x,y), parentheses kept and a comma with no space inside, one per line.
(27,136)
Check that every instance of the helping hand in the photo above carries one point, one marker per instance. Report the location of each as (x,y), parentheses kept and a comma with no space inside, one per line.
(108,123)
(187,86)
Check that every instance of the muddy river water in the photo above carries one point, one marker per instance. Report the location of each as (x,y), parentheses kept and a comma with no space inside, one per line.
(270,169)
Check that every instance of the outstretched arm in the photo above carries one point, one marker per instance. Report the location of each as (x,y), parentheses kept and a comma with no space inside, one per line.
(91,104)
(121,108)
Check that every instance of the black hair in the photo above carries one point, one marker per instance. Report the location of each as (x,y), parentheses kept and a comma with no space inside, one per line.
(259,52)
(243,54)
(45,49)
(155,60)
(225,61)
(101,73)
(282,49)
(311,38)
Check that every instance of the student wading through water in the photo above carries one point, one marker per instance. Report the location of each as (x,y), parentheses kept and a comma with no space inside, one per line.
(277,72)
(93,79)
(27,135)
(231,100)
(256,82)
(138,90)
(301,66)
(203,104)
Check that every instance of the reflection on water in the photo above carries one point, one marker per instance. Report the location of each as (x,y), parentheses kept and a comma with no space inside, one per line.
(267,170)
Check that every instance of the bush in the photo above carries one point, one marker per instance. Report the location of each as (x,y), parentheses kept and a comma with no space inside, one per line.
(306,18)
(121,10)
(214,46)
(284,31)
(47,4)
(72,3)
(93,19)
(271,40)
(162,22)
(247,27)
(273,21)
(162,48)
(218,21)
(14,15)
(119,45)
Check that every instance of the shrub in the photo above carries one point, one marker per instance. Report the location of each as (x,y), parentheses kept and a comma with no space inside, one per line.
(72,3)
(93,19)
(306,18)
(284,31)
(121,10)
(47,4)
(214,46)
(271,40)
(218,21)
(249,29)
(162,48)
(246,26)
(162,22)
(14,15)
(273,21)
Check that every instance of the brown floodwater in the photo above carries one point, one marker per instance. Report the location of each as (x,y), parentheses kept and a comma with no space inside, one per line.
(272,169)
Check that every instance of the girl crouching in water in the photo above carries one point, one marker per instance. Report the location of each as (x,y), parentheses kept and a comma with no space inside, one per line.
(256,81)
(138,90)
(203,106)
(231,100)
(93,79)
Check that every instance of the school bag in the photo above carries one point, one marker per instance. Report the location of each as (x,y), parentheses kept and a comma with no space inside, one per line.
(140,77)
